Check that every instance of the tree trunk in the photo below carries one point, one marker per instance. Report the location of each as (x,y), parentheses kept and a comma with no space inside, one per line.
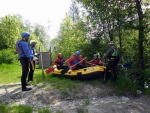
(140,35)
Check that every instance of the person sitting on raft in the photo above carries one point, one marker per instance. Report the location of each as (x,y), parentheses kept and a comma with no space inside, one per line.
(74,61)
(96,61)
(59,61)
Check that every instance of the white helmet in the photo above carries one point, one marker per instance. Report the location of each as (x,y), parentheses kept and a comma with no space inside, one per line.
(111,43)
(31,41)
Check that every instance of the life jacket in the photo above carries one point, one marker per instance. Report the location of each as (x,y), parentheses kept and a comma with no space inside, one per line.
(32,50)
(95,61)
(61,61)
(75,61)
(18,47)
(115,56)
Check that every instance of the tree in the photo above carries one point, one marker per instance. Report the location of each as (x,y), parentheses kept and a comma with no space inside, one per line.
(71,37)
(40,32)
(74,11)
(113,17)
(10,31)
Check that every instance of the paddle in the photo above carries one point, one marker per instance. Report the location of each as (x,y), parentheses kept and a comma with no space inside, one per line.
(68,68)
(51,69)
(43,75)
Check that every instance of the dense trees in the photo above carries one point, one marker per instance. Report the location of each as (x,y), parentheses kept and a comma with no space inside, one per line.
(122,21)
(11,27)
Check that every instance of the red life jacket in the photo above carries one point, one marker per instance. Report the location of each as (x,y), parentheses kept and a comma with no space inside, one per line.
(95,61)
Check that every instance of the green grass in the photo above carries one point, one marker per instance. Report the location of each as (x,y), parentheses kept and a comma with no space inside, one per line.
(86,102)
(126,85)
(10,73)
(44,110)
(15,109)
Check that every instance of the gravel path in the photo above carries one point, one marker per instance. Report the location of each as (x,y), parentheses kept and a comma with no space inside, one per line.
(89,99)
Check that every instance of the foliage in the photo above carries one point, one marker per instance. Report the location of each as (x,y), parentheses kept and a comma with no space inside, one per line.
(7,56)
(126,85)
(44,110)
(40,32)
(10,31)
(72,37)
(86,102)
(74,11)
(15,109)
(11,27)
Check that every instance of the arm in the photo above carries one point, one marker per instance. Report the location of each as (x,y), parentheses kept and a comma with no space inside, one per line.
(26,50)
(72,58)
(108,53)
(56,62)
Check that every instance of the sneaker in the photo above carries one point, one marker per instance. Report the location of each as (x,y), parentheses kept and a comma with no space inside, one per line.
(26,89)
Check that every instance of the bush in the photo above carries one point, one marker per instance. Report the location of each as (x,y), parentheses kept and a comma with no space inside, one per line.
(7,56)
(126,85)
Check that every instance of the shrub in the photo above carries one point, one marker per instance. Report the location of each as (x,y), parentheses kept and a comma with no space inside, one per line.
(7,56)
(126,85)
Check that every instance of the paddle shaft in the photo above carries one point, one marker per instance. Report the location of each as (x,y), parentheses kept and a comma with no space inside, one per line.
(77,63)
(42,67)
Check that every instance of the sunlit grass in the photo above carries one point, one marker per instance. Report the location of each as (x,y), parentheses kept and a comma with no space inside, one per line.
(10,73)
(15,109)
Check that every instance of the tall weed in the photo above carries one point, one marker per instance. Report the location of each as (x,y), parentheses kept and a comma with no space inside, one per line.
(126,85)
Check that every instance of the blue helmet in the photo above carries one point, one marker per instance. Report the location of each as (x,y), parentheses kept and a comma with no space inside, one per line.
(78,53)
(25,34)
(95,55)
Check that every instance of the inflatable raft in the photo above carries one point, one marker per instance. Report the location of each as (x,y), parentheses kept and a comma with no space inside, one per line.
(93,72)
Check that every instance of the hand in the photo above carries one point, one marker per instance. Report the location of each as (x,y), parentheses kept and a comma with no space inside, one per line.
(35,58)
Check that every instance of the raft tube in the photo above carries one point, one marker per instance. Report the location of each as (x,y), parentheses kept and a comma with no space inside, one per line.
(89,73)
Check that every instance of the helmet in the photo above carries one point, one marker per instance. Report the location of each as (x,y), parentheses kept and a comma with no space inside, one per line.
(25,34)
(95,55)
(111,43)
(31,41)
(78,53)
(59,54)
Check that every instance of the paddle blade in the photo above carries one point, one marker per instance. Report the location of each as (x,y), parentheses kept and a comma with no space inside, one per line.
(49,70)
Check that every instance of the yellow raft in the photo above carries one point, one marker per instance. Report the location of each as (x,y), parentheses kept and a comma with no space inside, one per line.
(93,72)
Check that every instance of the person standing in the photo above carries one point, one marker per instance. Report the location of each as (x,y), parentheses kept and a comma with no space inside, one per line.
(25,56)
(32,63)
(113,58)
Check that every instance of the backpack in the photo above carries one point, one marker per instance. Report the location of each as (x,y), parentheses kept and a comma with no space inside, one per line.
(115,55)
(18,48)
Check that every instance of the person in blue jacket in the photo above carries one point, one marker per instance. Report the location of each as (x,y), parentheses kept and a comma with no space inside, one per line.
(32,64)
(25,57)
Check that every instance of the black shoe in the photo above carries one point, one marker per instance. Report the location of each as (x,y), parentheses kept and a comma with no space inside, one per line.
(27,84)
(26,89)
